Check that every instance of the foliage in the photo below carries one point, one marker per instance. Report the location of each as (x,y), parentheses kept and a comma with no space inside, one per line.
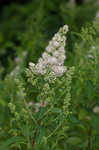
(44,112)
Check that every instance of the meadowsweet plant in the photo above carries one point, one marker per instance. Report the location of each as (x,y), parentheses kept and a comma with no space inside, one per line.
(41,105)
(52,106)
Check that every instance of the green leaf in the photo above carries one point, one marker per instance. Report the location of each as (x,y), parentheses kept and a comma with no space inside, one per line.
(2,102)
(41,112)
(74,141)
(56,110)
(82,114)
(73,119)
(41,134)
(89,89)
(26,131)
(95,121)
(12,140)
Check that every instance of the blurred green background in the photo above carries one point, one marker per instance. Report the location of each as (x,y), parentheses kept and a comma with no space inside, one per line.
(26,27)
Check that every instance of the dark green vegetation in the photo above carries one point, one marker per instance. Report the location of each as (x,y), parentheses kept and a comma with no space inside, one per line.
(25,30)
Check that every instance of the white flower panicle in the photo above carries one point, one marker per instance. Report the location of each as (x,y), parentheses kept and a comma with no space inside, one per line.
(54,55)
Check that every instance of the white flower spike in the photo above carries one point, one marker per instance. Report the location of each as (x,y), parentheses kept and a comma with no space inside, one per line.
(54,55)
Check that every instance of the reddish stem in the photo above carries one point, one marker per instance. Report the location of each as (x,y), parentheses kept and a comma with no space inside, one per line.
(35,135)
(34,139)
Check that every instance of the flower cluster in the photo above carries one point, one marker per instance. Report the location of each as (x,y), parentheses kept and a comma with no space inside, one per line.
(67,98)
(54,55)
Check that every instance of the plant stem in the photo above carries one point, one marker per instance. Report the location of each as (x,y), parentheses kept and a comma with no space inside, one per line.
(35,135)
(34,139)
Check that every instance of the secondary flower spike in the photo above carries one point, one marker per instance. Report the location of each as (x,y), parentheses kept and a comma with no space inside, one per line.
(54,55)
